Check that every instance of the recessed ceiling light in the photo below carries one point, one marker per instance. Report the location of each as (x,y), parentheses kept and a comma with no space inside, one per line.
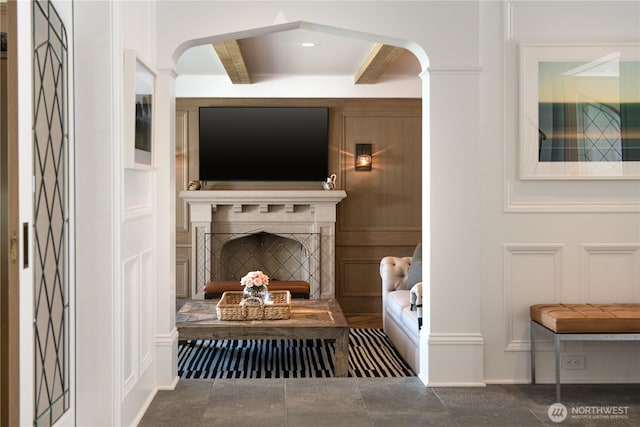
(308,44)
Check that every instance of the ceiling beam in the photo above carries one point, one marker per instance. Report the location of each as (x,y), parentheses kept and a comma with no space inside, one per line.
(379,58)
(233,62)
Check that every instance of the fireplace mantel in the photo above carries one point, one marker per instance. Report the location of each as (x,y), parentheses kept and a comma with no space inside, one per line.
(243,211)
(202,202)
(227,197)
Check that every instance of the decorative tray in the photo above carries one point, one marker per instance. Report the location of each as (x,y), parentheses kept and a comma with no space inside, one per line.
(232,306)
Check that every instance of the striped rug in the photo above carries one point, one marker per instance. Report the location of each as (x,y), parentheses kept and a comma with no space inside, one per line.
(371,354)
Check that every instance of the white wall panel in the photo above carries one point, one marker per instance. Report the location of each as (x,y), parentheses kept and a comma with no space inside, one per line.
(130,324)
(455,198)
(97,218)
(139,213)
(532,275)
(137,190)
(611,273)
(145,312)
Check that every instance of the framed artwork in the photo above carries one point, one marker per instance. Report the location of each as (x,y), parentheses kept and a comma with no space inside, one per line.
(580,111)
(139,99)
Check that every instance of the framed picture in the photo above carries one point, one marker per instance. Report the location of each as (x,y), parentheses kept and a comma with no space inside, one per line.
(580,112)
(139,99)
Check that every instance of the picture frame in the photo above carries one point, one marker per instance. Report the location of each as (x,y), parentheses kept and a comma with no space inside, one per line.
(579,111)
(139,109)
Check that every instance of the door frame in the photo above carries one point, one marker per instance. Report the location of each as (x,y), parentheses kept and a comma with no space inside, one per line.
(10,336)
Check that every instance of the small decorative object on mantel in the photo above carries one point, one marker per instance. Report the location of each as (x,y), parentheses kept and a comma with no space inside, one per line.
(330,183)
(193,185)
(255,285)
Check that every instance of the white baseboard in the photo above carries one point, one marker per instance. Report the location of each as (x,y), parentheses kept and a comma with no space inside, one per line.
(455,384)
(171,386)
(456,360)
(167,360)
(144,408)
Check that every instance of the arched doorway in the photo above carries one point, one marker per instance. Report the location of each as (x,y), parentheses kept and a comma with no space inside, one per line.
(419,53)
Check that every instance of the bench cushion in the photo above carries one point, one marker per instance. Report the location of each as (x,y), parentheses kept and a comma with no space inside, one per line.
(298,289)
(588,318)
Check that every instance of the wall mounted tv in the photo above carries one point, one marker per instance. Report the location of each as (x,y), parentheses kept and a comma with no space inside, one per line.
(263,143)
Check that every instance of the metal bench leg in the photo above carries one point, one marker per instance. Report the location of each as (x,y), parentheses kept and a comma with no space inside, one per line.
(533,353)
(557,338)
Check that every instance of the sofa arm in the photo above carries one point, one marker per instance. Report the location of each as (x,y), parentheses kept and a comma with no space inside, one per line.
(415,301)
(393,271)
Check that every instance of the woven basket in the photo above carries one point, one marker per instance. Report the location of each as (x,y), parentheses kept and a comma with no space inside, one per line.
(232,306)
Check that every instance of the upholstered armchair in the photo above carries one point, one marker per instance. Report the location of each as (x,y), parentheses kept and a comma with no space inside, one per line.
(402,303)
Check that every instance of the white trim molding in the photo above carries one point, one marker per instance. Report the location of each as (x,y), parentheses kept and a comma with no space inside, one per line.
(623,283)
(167,360)
(456,360)
(517,203)
(516,321)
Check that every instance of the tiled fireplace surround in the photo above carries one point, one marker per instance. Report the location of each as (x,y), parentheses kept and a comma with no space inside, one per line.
(264,211)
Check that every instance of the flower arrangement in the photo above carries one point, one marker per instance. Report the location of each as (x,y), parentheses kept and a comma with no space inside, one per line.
(255,282)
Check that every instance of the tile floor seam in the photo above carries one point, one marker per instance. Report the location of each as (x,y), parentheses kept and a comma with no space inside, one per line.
(524,403)
(447,410)
(284,409)
(364,404)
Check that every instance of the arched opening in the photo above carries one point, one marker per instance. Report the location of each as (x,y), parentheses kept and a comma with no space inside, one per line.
(421,56)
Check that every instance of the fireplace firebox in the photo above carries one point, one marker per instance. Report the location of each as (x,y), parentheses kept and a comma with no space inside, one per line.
(281,256)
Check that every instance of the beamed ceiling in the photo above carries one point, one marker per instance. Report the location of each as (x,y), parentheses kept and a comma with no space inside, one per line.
(287,53)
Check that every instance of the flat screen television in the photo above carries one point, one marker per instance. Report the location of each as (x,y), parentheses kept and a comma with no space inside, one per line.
(263,143)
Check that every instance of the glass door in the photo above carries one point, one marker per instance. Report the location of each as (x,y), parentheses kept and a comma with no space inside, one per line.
(51,210)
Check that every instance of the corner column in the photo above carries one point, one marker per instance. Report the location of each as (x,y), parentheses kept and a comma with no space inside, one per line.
(166,334)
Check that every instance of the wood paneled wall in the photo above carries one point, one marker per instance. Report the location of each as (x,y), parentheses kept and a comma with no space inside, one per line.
(382,212)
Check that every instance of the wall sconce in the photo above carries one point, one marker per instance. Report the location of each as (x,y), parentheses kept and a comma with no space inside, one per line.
(363,157)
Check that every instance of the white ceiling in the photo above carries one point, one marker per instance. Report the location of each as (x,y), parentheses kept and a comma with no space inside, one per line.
(281,54)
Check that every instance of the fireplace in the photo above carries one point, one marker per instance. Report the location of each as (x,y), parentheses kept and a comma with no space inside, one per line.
(300,224)
(282,256)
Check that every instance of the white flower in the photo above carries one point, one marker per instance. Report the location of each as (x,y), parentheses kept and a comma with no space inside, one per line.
(255,279)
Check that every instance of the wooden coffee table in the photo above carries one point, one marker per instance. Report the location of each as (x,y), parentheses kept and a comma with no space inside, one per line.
(310,319)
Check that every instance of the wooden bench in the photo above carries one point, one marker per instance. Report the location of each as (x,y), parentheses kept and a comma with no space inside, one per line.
(582,322)
(298,289)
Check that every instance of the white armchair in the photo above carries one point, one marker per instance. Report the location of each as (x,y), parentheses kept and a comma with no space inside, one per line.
(401,320)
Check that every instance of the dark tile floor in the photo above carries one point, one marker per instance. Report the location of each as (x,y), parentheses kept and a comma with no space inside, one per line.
(383,402)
